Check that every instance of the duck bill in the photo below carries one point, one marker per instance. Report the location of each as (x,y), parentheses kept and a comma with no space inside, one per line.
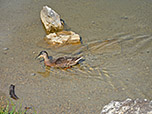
(39,56)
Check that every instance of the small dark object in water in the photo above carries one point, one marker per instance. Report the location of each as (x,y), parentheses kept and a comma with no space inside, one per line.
(28,107)
(125,17)
(12,92)
(33,74)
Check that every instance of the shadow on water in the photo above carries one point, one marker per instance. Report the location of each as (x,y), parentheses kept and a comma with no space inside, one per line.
(102,59)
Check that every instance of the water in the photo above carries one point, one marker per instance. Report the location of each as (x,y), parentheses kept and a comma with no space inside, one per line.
(117,44)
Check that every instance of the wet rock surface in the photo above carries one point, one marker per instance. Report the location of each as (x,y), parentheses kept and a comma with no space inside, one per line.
(128,106)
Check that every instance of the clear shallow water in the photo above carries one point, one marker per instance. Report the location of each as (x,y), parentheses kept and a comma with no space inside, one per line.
(117,44)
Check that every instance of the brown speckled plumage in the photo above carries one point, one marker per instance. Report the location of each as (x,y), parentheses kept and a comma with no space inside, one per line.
(61,62)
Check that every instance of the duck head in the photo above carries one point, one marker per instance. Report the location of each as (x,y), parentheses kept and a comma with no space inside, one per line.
(43,54)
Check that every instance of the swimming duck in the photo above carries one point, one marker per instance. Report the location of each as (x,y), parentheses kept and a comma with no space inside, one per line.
(61,62)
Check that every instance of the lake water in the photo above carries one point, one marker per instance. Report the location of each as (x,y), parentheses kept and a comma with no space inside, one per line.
(117,48)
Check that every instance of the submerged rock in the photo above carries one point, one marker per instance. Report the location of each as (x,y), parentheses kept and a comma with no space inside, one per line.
(54,27)
(128,106)
(51,20)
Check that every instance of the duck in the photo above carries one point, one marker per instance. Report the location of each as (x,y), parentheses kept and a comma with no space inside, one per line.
(61,62)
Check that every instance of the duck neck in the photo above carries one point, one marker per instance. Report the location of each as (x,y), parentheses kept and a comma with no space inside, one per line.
(46,59)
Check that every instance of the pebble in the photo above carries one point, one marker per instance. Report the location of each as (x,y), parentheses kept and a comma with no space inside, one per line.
(123,89)
(145,100)
(150,103)
(125,17)
(33,74)
(5,49)
(93,22)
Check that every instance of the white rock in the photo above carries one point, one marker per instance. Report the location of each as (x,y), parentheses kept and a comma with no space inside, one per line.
(128,106)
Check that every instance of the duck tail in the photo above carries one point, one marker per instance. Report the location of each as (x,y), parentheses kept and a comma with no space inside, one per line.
(78,59)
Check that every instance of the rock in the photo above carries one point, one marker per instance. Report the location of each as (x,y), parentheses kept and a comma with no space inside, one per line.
(63,37)
(125,17)
(54,28)
(51,20)
(128,106)
(5,49)
(33,74)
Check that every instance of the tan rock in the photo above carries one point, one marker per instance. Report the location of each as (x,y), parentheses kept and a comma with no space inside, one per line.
(54,28)
(63,37)
(50,20)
